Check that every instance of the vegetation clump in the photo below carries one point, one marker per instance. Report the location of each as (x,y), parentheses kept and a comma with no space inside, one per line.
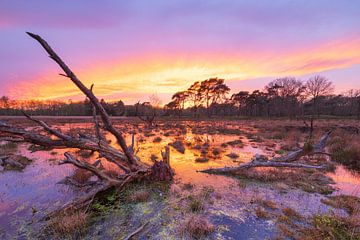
(178,145)
(157,139)
(345,149)
(69,225)
(196,204)
(331,227)
(261,213)
(291,213)
(140,196)
(350,203)
(201,159)
(307,180)
(232,155)
(198,227)
(236,143)
(14,162)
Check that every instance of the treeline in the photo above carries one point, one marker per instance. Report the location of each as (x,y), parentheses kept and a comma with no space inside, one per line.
(57,108)
(282,97)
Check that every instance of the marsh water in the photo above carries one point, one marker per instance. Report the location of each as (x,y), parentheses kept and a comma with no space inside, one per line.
(27,196)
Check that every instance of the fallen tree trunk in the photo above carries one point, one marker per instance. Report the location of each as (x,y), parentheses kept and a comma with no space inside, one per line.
(253,164)
(286,161)
(129,164)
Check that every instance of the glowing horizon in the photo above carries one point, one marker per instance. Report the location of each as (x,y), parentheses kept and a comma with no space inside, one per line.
(162,48)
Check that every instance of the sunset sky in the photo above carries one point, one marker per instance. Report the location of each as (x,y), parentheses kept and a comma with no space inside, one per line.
(132,49)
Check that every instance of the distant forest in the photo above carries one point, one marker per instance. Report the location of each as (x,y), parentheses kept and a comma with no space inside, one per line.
(282,97)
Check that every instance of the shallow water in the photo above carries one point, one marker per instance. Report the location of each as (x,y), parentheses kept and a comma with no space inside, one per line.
(346,182)
(26,196)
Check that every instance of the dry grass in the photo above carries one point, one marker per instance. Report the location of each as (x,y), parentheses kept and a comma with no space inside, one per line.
(8,148)
(201,159)
(266,203)
(331,227)
(157,140)
(187,186)
(178,145)
(232,155)
(140,196)
(81,175)
(307,180)
(198,227)
(216,151)
(350,203)
(291,213)
(196,203)
(73,224)
(345,149)
(261,213)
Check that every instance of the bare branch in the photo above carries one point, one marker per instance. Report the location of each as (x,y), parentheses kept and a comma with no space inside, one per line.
(84,165)
(48,128)
(104,116)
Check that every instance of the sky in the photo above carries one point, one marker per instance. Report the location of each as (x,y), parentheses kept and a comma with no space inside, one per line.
(133,49)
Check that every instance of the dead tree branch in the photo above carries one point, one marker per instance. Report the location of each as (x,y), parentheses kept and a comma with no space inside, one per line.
(131,167)
(286,161)
(88,93)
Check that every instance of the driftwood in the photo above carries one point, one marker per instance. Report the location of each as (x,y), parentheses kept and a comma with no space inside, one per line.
(286,161)
(130,166)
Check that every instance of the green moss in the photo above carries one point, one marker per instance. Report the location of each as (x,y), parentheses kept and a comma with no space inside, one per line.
(331,227)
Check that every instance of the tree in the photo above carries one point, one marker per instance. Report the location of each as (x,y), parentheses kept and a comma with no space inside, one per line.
(213,90)
(354,97)
(148,111)
(285,94)
(4,102)
(177,104)
(316,87)
(239,100)
(195,96)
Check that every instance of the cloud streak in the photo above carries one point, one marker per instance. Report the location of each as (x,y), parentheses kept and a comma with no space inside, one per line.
(136,48)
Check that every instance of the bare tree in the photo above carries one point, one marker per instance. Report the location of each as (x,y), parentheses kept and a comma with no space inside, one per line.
(145,112)
(316,87)
(285,95)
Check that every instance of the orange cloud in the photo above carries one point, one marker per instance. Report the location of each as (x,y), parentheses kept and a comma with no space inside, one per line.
(166,73)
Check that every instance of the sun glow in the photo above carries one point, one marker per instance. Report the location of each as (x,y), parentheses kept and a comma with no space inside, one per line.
(133,78)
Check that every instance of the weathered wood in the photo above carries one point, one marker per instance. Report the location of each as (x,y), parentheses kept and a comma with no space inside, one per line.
(88,93)
(253,164)
(132,168)
(166,155)
(84,165)
(286,161)
(318,148)
(18,134)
